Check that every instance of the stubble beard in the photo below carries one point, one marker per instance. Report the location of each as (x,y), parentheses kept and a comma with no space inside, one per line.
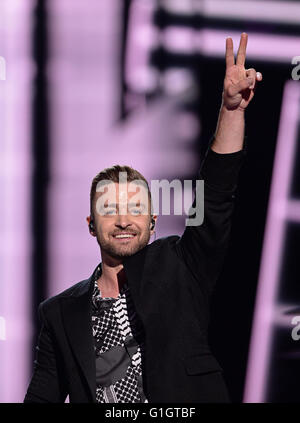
(122,251)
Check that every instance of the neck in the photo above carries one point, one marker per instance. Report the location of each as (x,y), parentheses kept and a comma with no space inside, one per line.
(112,278)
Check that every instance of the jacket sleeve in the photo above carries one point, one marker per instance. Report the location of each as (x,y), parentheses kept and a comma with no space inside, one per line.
(203,247)
(47,383)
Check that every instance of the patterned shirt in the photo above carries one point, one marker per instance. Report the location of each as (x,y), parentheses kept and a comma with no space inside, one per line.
(119,347)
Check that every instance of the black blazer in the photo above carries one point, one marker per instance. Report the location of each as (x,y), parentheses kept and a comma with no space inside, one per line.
(171,281)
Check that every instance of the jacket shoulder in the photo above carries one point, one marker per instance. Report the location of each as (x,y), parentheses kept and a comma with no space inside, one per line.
(164,241)
(52,302)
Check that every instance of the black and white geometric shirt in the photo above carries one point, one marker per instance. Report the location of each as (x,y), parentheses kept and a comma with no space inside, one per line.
(119,347)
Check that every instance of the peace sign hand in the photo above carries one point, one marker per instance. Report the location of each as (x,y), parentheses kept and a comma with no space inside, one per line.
(239,83)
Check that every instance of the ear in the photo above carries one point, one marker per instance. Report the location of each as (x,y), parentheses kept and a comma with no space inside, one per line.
(89,219)
(153,217)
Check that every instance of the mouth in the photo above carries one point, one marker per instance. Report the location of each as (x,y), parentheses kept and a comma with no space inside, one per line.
(126,236)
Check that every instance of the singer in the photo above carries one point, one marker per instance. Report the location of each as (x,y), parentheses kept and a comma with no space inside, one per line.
(136,330)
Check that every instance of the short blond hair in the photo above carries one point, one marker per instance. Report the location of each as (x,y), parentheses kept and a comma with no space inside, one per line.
(112,174)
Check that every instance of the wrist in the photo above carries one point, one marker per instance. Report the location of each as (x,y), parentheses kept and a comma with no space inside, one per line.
(237,111)
(229,134)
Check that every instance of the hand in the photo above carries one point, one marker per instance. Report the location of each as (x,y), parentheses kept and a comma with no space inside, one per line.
(239,83)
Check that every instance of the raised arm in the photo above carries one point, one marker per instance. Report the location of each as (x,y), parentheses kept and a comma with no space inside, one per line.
(203,247)
(238,91)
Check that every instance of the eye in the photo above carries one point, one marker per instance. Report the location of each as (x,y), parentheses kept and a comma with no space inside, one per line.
(108,211)
(137,210)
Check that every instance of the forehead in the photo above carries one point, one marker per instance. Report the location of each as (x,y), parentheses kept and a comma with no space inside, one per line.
(113,192)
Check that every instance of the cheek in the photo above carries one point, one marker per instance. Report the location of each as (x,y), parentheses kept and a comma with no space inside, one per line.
(102,230)
(144,227)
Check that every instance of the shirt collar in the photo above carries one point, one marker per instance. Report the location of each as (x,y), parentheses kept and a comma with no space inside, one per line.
(97,293)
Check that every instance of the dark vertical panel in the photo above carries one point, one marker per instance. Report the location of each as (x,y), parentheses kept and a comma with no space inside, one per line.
(40,174)
(125,15)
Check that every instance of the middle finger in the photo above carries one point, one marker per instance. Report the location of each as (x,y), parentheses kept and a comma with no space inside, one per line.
(241,54)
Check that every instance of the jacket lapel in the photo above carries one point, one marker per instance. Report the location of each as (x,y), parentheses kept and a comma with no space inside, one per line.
(77,309)
(77,317)
(143,278)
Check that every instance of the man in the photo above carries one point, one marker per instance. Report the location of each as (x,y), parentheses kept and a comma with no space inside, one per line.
(136,330)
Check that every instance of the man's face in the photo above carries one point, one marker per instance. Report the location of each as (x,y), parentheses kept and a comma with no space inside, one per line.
(122,218)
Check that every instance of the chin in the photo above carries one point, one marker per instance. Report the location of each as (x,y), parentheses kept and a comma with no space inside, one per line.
(126,251)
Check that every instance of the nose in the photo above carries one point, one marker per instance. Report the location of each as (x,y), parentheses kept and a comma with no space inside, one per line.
(123,221)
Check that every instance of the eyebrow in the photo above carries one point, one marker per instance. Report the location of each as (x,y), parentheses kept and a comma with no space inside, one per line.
(135,205)
(128,204)
(110,205)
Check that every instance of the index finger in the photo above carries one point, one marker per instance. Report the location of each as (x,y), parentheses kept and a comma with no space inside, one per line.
(241,54)
(229,52)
